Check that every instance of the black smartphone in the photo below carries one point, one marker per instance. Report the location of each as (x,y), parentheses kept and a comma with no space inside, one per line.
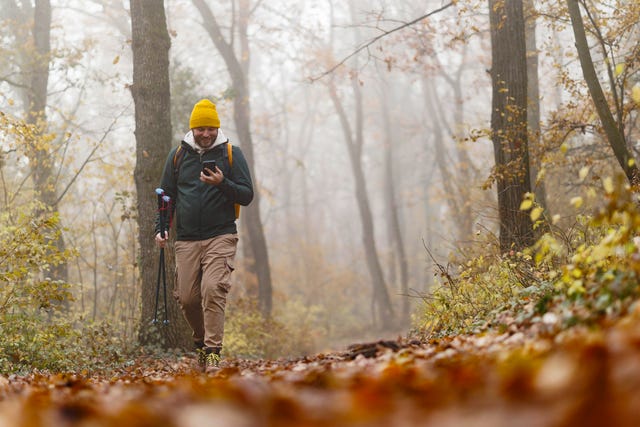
(208,164)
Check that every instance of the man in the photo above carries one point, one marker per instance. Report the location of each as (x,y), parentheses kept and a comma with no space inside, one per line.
(203,201)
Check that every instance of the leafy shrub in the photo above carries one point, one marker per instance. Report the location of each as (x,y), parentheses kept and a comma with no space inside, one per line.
(289,332)
(581,276)
(38,342)
(467,302)
(601,278)
(33,333)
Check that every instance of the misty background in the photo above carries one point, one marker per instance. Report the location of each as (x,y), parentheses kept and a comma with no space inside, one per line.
(425,156)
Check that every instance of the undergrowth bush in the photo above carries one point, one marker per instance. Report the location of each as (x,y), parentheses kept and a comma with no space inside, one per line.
(289,331)
(33,331)
(57,345)
(586,275)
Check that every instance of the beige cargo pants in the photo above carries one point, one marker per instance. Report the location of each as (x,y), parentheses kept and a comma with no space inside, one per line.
(203,280)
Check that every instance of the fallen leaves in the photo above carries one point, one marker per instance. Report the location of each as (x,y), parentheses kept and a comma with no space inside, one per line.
(578,377)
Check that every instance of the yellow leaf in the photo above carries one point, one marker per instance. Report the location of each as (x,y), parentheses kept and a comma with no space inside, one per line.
(563,148)
(541,174)
(576,202)
(619,69)
(116,59)
(535,213)
(635,93)
(631,163)
(526,205)
(583,173)
(607,183)
(576,288)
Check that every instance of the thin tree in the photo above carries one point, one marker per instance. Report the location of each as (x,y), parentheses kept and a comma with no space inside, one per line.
(33,78)
(398,252)
(509,121)
(150,90)
(533,106)
(353,131)
(612,129)
(354,139)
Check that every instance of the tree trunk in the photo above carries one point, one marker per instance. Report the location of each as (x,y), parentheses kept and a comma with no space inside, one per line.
(509,121)
(533,106)
(238,68)
(35,69)
(393,219)
(354,145)
(150,89)
(455,180)
(610,127)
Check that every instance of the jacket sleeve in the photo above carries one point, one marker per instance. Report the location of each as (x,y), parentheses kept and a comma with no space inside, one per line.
(169,185)
(238,187)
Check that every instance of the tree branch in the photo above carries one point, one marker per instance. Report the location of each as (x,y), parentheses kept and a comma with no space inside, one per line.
(378,37)
(95,148)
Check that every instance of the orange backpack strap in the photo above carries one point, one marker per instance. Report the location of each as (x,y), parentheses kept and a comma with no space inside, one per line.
(230,153)
(177,159)
(230,156)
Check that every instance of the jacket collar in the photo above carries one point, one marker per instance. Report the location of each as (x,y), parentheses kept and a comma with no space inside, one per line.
(190,140)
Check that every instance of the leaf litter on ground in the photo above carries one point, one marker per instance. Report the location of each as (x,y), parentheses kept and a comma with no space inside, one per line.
(577,377)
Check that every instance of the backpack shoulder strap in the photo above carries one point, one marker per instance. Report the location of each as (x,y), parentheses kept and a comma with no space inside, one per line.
(229,155)
(177,160)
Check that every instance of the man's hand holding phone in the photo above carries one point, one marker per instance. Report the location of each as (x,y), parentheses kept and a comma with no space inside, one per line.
(210,173)
(209,167)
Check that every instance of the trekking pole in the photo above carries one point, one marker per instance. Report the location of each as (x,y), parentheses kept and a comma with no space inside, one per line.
(163,207)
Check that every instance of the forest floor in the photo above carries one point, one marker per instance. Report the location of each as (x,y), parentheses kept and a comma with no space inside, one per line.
(577,377)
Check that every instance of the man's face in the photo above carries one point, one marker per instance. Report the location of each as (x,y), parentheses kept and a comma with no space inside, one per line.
(205,136)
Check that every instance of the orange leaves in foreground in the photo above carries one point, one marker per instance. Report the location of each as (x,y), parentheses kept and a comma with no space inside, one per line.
(575,379)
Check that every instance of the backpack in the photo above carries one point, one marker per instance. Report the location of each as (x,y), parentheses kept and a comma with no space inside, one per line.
(179,155)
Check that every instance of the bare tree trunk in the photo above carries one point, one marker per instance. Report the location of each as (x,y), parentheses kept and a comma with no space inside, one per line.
(456,180)
(455,197)
(150,89)
(393,219)
(610,127)
(533,106)
(34,66)
(509,121)
(238,67)
(354,145)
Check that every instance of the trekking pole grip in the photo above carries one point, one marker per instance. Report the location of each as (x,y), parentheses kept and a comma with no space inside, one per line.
(163,207)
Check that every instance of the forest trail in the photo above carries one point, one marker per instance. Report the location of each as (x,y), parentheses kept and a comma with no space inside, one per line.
(574,378)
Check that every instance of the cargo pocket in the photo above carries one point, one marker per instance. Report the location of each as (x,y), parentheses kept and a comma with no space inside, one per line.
(230,262)
(225,283)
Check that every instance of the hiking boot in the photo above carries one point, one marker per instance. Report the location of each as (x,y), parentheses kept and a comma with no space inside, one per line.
(212,361)
(201,354)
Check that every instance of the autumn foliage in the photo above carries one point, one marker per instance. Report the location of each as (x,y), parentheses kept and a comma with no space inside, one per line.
(584,275)
(577,378)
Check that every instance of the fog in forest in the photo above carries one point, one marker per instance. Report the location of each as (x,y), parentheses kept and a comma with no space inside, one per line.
(396,94)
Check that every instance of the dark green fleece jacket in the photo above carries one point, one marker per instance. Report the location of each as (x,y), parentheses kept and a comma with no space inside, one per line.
(201,211)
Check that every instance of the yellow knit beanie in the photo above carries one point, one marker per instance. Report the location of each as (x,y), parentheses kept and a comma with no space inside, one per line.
(204,114)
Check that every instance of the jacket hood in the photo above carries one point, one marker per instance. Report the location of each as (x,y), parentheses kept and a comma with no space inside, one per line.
(189,139)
